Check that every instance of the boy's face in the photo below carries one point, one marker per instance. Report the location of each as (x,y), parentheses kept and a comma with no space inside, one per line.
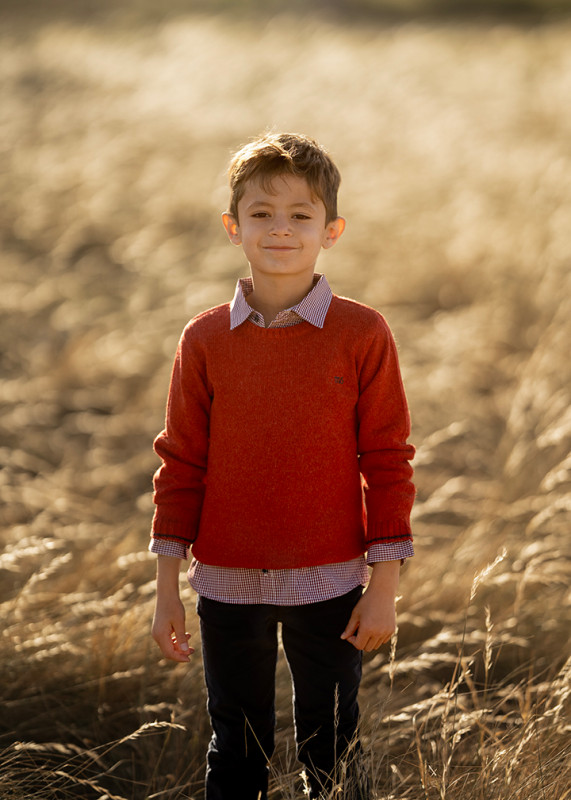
(282,227)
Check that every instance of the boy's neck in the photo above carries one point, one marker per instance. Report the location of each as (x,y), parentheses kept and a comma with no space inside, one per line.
(272,294)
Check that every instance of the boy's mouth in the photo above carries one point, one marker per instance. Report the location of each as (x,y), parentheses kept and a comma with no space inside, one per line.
(284,247)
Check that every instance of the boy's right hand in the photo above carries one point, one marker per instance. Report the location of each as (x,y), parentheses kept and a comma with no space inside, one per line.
(168,629)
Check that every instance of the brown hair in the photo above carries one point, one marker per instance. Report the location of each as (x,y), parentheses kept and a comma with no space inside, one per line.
(274,154)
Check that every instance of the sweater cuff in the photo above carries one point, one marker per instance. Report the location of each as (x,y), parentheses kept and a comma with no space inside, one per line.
(170,526)
(387,532)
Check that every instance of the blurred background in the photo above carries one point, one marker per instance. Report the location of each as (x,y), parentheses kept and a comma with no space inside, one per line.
(450,122)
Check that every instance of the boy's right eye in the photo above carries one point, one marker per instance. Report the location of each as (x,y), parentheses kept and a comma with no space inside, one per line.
(260,214)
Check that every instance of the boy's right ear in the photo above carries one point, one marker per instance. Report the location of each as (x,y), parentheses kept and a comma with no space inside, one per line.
(232,228)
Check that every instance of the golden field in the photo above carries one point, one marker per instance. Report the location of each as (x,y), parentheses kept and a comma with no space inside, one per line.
(453,141)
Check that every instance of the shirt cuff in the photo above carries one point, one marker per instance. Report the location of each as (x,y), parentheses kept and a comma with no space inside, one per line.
(166,547)
(390,551)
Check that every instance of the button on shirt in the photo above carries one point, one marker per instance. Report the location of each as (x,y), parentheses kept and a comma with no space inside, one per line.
(282,586)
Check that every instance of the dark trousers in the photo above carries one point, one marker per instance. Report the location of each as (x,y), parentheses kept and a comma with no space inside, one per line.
(240,651)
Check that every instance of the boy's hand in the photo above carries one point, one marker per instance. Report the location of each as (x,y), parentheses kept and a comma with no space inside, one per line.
(168,628)
(373,620)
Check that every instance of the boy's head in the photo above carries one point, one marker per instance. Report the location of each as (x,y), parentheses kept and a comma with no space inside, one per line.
(281,154)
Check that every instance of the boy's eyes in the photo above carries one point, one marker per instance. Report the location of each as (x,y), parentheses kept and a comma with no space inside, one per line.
(264,214)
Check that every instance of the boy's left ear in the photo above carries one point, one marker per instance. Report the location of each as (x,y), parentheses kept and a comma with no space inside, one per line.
(333,231)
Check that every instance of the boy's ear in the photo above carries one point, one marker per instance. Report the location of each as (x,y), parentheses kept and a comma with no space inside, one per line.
(333,231)
(232,229)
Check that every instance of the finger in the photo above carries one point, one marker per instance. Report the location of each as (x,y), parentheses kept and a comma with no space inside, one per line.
(367,637)
(180,643)
(357,640)
(174,654)
(351,628)
(379,641)
(170,650)
(368,640)
(184,646)
(179,635)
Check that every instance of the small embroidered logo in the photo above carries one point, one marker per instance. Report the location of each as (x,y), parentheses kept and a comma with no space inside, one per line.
(338,379)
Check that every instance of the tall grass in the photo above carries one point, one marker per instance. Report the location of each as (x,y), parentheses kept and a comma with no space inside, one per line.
(453,144)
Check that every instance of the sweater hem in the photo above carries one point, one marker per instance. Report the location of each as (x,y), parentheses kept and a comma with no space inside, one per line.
(271,563)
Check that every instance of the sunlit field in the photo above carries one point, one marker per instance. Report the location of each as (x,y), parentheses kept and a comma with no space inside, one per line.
(453,141)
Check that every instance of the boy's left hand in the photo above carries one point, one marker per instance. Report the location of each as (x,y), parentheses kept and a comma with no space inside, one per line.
(373,620)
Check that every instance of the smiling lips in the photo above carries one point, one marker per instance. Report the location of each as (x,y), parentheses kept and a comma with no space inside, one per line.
(278,247)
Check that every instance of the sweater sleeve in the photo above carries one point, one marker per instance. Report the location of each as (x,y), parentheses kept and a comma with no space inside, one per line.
(383,430)
(179,483)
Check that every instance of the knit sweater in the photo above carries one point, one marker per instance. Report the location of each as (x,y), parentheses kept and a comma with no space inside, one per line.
(285,447)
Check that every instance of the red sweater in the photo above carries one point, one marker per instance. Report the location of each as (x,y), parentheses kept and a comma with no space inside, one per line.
(268,432)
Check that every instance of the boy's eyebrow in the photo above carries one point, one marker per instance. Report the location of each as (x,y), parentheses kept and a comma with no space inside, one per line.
(300,204)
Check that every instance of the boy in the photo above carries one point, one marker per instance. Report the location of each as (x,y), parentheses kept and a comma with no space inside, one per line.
(279,402)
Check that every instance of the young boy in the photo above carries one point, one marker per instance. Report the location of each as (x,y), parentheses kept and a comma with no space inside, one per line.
(286,422)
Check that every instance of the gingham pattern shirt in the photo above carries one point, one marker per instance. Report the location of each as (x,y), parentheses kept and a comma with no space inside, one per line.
(282,586)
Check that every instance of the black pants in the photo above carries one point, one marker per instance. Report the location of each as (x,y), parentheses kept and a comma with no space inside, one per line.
(240,651)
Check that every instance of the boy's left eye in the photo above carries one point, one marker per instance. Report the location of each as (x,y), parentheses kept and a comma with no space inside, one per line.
(301,216)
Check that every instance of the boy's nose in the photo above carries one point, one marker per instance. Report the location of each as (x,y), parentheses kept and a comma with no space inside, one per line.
(281,226)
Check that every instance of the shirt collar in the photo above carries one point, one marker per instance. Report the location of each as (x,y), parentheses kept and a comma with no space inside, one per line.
(313,308)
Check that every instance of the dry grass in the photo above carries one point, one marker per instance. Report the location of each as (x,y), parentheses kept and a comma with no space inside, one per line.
(453,143)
